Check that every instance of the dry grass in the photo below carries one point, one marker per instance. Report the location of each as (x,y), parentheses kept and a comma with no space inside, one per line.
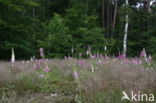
(105,85)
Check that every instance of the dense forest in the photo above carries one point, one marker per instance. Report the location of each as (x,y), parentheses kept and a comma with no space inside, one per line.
(70,27)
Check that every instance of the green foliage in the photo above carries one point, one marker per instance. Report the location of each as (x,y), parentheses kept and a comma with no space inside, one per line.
(16,29)
(84,29)
(60,25)
(57,39)
(31,3)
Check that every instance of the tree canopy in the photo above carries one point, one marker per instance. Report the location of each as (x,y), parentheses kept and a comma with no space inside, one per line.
(60,25)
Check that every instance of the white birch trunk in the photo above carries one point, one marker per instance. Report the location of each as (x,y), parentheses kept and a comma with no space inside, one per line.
(126,33)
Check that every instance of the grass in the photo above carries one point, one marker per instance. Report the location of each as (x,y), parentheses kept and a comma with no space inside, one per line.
(24,84)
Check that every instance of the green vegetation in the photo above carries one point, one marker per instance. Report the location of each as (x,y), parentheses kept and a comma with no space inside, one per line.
(59,25)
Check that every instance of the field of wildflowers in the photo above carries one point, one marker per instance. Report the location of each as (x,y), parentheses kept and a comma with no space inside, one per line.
(97,79)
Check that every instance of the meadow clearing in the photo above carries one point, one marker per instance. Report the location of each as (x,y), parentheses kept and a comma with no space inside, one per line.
(78,51)
(69,80)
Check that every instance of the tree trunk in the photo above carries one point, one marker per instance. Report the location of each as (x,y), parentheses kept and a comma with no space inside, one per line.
(111,19)
(126,33)
(33,24)
(34,36)
(115,12)
(108,19)
(86,8)
(103,15)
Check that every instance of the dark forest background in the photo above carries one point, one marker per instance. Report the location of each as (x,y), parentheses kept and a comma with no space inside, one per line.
(60,25)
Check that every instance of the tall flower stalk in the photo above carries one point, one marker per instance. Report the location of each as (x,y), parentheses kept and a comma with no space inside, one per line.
(41,52)
(12,57)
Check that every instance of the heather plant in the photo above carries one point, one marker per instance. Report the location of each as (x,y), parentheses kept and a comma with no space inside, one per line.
(112,97)
(94,80)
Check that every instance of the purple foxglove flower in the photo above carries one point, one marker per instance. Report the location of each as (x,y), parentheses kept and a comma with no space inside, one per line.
(41,52)
(125,61)
(75,74)
(122,56)
(35,66)
(135,62)
(92,56)
(80,54)
(149,57)
(46,69)
(139,61)
(143,53)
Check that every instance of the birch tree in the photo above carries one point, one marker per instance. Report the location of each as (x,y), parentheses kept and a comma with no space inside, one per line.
(126,32)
